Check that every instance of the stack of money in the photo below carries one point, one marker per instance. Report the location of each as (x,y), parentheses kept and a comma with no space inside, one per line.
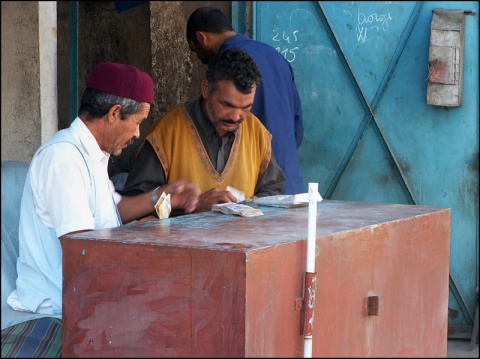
(286,201)
(163,207)
(237,209)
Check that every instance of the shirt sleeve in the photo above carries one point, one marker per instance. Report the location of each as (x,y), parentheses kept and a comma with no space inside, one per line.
(298,112)
(61,186)
(271,182)
(146,172)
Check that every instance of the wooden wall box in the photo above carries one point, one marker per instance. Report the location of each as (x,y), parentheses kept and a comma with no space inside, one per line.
(216,285)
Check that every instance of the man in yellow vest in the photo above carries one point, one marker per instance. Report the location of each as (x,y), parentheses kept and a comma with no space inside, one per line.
(213,141)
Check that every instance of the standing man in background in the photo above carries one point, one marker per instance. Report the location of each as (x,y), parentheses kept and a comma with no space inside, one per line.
(277,102)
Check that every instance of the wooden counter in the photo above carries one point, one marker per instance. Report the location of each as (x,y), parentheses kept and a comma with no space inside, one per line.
(216,285)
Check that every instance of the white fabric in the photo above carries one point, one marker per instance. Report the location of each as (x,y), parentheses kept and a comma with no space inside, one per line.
(44,308)
(61,185)
(61,190)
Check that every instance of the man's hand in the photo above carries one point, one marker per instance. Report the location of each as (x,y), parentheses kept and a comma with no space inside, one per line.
(184,195)
(213,196)
(148,218)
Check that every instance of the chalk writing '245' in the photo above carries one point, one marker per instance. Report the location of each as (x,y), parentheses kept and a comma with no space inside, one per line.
(287,51)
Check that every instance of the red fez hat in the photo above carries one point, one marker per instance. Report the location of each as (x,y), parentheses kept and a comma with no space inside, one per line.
(122,80)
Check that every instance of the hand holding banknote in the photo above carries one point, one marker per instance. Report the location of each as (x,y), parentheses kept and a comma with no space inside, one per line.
(213,196)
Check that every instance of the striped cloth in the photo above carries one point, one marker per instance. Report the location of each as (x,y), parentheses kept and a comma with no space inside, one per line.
(39,338)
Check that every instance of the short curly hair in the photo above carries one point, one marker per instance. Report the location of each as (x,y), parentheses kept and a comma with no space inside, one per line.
(235,65)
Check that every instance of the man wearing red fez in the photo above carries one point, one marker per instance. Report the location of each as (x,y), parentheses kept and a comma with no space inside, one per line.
(67,189)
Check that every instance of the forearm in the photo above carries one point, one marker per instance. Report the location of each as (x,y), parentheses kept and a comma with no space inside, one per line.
(146,173)
(298,130)
(298,118)
(183,199)
(135,207)
(271,182)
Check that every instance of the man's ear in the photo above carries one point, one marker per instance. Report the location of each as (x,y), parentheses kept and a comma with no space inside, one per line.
(202,38)
(205,90)
(114,112)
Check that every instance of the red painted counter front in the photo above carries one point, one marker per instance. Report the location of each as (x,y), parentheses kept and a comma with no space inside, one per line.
(216,285)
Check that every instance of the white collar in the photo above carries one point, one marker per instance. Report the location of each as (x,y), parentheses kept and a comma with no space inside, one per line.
(88,141)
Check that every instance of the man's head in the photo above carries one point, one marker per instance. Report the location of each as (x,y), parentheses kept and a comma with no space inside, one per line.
(207,28)
(229,89)
(121,96)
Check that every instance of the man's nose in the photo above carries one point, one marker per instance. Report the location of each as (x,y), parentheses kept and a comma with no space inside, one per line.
(236,115)
(136,134)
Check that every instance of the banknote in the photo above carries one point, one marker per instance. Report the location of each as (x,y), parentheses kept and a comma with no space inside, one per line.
(286,201)
(163,207)
(237,193)
(237,209)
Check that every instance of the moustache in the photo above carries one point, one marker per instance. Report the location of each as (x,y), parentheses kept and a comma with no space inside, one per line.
(230,121)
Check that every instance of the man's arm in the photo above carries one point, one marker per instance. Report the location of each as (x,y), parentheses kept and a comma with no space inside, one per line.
(297,103)
(145,174)
(272,181)
(184,198)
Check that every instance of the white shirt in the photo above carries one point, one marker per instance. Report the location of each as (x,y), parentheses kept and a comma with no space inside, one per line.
(61,185)
(61,191)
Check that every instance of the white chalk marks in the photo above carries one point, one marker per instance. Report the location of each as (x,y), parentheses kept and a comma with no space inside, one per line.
(300,23)
(373,21)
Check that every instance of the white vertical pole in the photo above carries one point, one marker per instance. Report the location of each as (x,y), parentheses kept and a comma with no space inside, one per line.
(312,225)
(307,346)
(310,268)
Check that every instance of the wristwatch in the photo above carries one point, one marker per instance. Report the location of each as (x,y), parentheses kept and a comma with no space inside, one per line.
(154,196)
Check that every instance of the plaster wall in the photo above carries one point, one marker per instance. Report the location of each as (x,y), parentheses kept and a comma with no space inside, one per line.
(21,126)
(150,36)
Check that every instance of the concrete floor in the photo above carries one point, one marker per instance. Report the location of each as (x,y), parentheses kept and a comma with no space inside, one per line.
(461,348)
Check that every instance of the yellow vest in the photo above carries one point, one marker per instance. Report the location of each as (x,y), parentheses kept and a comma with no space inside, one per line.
(180,150)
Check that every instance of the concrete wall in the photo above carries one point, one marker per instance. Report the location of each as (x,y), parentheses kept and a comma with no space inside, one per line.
(150,36)
(20,121)
(103,35)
